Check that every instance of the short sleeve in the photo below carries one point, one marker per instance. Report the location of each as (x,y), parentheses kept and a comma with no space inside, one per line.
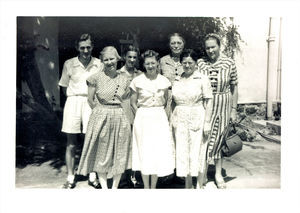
(133,84)
(65,77)
(233,75)
(206,87)
(92,80)
(164,83)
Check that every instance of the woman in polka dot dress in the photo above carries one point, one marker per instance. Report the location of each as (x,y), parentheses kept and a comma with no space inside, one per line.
(107,148)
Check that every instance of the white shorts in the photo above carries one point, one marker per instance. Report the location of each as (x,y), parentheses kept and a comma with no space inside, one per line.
(76,112)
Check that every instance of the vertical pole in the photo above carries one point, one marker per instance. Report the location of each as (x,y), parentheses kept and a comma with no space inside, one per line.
(279,69)
(271,70)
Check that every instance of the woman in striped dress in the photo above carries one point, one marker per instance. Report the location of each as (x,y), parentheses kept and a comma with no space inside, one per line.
(222,73)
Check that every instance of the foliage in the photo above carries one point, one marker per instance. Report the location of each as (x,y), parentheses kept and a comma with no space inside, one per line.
(195,29)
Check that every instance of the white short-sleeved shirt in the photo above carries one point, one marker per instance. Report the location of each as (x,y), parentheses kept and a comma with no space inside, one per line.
(74,75)
(150,92)
(192,90)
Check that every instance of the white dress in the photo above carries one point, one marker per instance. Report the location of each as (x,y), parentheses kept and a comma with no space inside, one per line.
(188,120)
(152,146)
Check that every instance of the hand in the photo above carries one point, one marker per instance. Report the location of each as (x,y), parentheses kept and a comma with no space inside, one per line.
(206,130)
(233,115)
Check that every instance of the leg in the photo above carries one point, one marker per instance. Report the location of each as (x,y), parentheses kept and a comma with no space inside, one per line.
(146,181)
(103,180)
(70,153)
(188,182)
(93,181)
(116,181)
(218,176)
(154,179)
(202,178)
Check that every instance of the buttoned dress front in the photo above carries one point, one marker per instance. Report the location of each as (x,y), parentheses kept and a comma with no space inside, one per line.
(170,69)
(188,120)
(107,144)
(222,75)
(152,147)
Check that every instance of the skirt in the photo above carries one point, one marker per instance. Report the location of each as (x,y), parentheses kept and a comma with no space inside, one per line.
(219,122)
(107,145)
(153,150)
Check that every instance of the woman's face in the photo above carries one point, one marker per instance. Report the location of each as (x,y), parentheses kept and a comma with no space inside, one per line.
(151,65)
(130,59)
(110,61)
(189,65)
(176,45)
(212,49)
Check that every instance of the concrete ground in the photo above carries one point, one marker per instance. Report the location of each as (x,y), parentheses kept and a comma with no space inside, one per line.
(256,166)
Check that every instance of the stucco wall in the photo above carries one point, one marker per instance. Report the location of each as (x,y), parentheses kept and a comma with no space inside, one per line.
(252,61)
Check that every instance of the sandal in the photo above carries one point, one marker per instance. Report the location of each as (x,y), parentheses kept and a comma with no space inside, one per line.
(94,184)
(69,185)
(220,184)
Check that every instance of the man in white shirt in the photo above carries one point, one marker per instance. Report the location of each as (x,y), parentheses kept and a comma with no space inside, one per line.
(77,111)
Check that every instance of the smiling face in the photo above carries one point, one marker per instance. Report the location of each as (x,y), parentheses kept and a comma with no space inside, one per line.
(151,65)
(130,59)
(189,65)
(212,49)
(85,49)
(176,45)
(110,61)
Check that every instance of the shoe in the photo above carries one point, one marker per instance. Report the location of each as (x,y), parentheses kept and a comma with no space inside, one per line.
(94,184)
(220,184)
(69,185)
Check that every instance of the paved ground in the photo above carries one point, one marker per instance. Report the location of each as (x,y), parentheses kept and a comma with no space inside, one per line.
(256,166)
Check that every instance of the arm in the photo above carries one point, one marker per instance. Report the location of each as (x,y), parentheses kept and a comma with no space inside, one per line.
(166,97)
(234,92)
(208,114)
(91,96)
(133,101)
(64,89)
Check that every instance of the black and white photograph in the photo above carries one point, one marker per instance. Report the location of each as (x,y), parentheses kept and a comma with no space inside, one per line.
(80,124)
(186,104)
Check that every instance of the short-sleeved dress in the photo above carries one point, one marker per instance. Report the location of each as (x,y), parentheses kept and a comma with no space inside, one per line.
(126,103)
(170,69)
(222,74)
(152,145)
(187,121)
(107,144)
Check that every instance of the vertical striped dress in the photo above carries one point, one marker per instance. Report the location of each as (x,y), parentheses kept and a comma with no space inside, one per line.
(222,75)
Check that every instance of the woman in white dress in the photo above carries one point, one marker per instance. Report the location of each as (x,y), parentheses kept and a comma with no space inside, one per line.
(191,117)
(152,147)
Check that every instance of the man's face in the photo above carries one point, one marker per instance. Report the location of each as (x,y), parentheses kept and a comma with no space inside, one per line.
(85,49)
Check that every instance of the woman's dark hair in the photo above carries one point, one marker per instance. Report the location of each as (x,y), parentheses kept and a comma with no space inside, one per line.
(176,34)
(189,53)
(84,37)
(148,54)
(131,48)
(213,36)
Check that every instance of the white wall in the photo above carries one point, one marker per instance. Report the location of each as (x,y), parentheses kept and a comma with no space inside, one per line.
(252,61)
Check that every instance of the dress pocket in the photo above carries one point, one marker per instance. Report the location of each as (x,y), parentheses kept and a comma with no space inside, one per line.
(196,118)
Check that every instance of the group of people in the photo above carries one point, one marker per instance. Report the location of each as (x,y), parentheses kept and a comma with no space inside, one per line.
(169,117)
